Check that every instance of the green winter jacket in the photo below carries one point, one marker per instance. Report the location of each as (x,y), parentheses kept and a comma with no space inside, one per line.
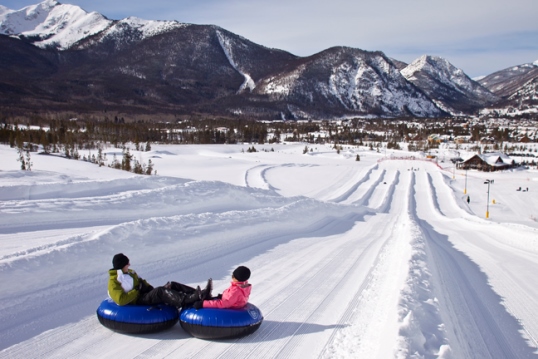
(115,291)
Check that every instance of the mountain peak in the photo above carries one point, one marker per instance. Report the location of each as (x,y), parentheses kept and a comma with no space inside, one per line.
(3,10)
(447,84)
(52,24)
(48,3)
(431,64)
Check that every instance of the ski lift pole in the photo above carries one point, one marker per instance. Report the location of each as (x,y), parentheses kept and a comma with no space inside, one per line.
(465,189)
(488,182)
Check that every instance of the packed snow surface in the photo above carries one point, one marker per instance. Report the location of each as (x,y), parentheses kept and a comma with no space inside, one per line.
(377,258)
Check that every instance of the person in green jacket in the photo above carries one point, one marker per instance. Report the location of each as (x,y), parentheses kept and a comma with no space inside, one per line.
(126,287)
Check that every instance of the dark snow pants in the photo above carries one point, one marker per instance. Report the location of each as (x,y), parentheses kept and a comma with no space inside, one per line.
(177,295)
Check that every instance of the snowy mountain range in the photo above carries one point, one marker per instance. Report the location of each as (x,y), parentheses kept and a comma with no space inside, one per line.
(63,58)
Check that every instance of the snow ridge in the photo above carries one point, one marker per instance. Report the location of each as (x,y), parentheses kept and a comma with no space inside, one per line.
(147,28)
(421,327)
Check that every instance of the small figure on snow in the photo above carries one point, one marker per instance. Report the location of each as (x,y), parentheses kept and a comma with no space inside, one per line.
(236,296)
(126,287)
(468,199)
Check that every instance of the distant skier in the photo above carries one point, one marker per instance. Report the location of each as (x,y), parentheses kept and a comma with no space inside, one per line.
(468,199)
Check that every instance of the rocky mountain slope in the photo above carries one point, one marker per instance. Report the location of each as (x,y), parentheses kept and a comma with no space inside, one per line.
(517,88)
(356,81)
(447,85)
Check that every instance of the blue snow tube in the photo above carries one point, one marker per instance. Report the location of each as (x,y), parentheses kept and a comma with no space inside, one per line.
(216,323)
(136,319)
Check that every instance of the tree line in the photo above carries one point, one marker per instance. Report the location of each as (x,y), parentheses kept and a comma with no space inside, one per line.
(71,136)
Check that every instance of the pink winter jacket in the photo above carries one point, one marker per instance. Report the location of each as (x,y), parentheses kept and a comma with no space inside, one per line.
(236,296)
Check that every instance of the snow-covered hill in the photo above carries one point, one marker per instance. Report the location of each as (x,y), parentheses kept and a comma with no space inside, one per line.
(378,258)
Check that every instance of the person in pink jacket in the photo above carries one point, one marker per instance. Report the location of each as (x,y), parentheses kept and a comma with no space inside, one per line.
(236,296)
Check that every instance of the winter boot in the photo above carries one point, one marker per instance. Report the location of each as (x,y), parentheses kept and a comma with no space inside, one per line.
(206,293)
(193,297)
(171,297)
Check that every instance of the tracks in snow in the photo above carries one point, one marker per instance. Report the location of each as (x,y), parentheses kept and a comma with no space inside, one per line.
(330,277)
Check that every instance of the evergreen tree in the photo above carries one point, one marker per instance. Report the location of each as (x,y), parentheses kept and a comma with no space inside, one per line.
(44,141)
(115,163)
(126,161)
(149,169)
(28,161)
(138,169)
(21,158)
(76,155)
(100,159)
(11,139)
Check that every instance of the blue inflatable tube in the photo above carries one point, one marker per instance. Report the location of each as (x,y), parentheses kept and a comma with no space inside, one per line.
(214,323)
(136,319)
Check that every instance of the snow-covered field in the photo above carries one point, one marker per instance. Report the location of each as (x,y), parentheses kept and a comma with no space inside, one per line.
(370,259)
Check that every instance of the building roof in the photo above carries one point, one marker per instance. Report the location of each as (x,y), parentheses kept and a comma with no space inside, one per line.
(494,159)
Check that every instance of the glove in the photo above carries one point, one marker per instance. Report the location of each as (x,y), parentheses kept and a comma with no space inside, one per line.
(198,304)
(218,296)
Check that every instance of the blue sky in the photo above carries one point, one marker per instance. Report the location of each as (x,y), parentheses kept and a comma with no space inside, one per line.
(478,36)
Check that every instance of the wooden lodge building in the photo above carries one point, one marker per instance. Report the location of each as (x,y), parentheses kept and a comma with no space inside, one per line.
(487,162)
